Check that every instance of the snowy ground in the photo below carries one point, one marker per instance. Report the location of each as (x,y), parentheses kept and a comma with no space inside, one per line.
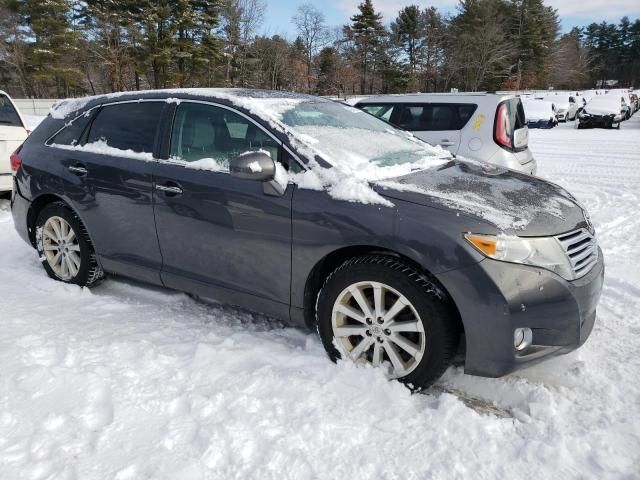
(131,382)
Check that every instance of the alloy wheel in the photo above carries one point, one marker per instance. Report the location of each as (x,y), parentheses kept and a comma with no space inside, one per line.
(374,323)
(61,248)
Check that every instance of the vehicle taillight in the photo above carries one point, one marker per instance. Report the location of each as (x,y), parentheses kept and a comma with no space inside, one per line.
(503,127)
(15,160)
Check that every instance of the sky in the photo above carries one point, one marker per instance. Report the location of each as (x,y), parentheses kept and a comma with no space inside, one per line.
(337,12)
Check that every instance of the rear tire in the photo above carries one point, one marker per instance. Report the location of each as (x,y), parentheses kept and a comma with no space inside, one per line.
(64,246)
(415,343)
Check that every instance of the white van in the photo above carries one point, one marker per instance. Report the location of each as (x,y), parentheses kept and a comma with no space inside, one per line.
(482,126)
(12,133)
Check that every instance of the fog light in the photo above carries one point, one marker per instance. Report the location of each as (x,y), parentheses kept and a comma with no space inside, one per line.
(522,338)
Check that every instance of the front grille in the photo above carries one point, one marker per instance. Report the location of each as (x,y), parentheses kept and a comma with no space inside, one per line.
(582,249)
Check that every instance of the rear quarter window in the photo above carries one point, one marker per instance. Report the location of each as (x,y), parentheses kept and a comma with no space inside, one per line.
(72,133)
(127,126)
(8,114)
(420,117)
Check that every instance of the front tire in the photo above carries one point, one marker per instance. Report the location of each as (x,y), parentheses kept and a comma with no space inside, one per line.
(377,309)
(65,249)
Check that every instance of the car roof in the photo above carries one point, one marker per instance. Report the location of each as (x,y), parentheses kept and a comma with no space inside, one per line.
(436,97)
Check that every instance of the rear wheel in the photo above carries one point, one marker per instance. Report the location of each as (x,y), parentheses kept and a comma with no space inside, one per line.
(378,310)
(64,246)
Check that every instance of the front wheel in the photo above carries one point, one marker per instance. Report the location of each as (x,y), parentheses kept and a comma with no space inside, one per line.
(64,246)
(381,311)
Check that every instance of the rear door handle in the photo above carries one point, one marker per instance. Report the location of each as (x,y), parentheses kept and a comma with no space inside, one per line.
(79,170)
(447,143)
(170,189)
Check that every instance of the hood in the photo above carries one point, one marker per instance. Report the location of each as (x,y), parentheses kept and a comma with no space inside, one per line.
(514,203)
(603,105)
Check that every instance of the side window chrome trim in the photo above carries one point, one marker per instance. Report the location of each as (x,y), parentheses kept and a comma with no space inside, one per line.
(295,157)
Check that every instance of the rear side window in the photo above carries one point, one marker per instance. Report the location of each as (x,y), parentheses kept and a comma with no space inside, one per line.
(127,126)
(71,134)
(425,117)
(8,114)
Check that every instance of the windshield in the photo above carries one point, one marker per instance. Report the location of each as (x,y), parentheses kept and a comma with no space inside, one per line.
(344,135)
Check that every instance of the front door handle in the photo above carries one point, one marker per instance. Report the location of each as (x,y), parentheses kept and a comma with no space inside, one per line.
(170,190)
(78,170)
(447,143)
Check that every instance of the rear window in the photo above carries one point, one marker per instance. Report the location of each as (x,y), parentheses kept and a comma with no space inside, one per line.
(8,114)
(424,117)
(127,126)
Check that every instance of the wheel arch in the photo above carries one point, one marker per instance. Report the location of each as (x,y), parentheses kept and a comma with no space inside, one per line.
(334,259)
(39,203)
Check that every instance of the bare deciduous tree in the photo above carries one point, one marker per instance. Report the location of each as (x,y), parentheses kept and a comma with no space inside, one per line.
(313,32)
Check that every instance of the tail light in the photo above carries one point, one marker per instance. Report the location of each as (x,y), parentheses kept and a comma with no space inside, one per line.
(15,160)
(502,129)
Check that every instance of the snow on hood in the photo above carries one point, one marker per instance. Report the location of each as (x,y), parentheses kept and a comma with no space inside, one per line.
(536,110)
(510,201)
(604,105)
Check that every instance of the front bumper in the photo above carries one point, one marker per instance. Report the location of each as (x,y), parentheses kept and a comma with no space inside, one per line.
(494,298)
(541,124)
(594,121)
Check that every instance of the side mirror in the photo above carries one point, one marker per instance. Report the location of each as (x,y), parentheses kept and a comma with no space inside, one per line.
(256,166)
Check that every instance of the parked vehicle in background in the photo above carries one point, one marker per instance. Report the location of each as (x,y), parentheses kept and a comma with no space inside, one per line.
(565,106)
(481,126)
(625,99)
(539,113)
(12,134)
(604,111)
(252,198)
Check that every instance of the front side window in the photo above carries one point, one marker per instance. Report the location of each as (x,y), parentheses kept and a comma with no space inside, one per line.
(215,135)
(127,126)
(8,114)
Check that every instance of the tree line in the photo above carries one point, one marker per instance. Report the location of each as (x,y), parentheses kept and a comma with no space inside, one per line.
(61,48)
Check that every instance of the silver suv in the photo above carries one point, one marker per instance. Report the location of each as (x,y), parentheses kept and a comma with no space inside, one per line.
(481,126)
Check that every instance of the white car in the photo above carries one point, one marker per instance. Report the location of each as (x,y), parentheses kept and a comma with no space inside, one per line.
(480,126)
(566,106)
(539,113)
(12,133)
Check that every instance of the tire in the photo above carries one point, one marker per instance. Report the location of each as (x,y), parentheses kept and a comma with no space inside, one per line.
(77,263)
(428,322)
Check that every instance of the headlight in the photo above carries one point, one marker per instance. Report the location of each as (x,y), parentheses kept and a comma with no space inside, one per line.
(545,252)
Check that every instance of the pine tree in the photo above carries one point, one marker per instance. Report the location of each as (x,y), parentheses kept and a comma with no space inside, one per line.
(367,32)
(408,30)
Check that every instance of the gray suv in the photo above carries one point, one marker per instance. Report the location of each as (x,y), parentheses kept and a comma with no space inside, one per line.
(317,213)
